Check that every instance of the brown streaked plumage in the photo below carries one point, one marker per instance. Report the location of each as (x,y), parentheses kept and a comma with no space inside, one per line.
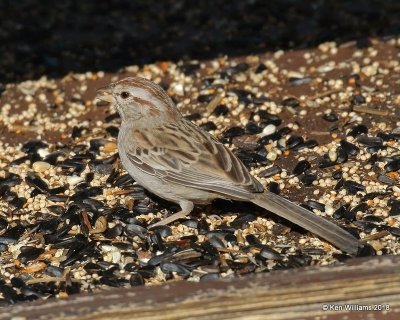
(176,160)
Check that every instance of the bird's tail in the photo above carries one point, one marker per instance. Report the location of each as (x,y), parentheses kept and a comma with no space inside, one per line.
(309,221)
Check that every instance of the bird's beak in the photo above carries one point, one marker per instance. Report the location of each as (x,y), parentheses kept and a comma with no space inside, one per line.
(104,94)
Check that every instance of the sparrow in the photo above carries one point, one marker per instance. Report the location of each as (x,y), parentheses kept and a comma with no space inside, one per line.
(176,160)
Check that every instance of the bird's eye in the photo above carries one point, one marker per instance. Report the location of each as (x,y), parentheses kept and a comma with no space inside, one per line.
(125,95)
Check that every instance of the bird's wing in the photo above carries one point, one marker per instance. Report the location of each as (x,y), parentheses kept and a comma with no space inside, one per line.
(182,153)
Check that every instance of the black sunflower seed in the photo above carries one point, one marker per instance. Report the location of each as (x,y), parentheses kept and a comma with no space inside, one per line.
(136,279)
(95,144)
(341,212)
(357,130)
(233,132)
(163,231)
(395,208)
(357,99)
(190,68)
(10,180)
(230,71)
(361,207)
(143,209)
(76,132)
(260,68)
(18,202)
(330,117)
(291,102)
(113,131)
(147,271)
(294,141)
(193,116)
(33,180)
(190,223)
(350,148)
(58,198)
(133,230)
(299,260)
(54,271)
(366,250)
(270,254)
(113,281)
(316,205)
(3,223)
(210,277)
(52,158)
(29,253)
(216,242)
(294,81)
(205,98)
(338,174)
(87,192)
(165,256)
(80,253)
(268,118)
(253,240)
(114,232)
(395,134)
(385,136)
(373,159)
(325,162)
(394,231)
(20,160)
(230,238)
(74,166)
(301,167)
(342,156)
(177,268)
(244,96)
(203,226)
(156,241)
(252,128)
(308,144)
(308,179)
(48,226)
(392,166)
(220,110)
(353,187)
(270,171)
(8,293)
(59,210)
(365,225)
(208,126)
(251,158)
(12,235)
(274,187)
(98,166)
(372,218)
(17,282)
(7,194)
(260,100)
(370,141)
(208,249)
(33,146)
(123,180)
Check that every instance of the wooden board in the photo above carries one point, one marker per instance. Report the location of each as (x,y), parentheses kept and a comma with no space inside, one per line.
(371,284)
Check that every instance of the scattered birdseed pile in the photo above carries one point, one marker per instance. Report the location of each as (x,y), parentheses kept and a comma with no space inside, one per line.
(318,126)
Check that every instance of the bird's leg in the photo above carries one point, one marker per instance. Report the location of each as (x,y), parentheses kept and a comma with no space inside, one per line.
(186,208)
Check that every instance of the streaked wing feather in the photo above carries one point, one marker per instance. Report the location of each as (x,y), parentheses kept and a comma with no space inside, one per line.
(191,157)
